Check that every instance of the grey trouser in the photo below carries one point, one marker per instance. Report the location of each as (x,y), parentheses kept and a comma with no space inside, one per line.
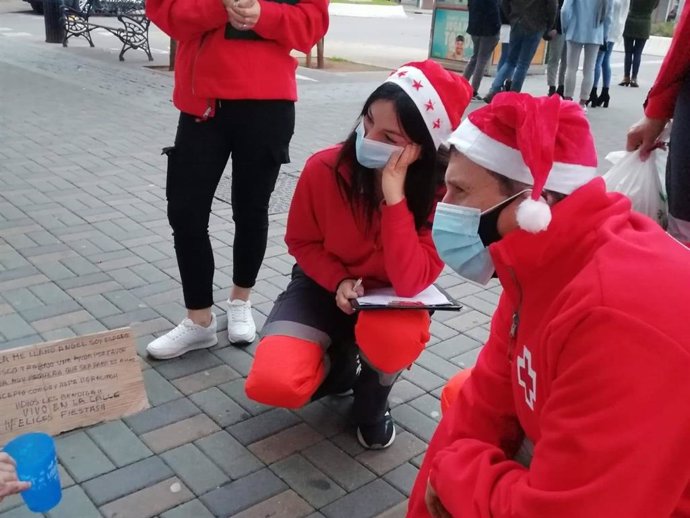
(556,61)
(573,58)
(678,167)
(483,48)
(307,311)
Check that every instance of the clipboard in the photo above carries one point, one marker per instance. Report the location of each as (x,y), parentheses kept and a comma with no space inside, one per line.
(433,299)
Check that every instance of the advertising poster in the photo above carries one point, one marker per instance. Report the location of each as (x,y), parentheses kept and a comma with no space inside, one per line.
(450,40)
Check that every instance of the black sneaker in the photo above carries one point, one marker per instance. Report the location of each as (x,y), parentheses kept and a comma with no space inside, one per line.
(379,435)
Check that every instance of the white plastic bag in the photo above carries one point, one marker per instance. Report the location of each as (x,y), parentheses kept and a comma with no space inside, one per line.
(642,182)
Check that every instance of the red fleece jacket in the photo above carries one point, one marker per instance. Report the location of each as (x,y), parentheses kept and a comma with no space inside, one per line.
(594,373)
(210,67)
(661,100)
(330,245)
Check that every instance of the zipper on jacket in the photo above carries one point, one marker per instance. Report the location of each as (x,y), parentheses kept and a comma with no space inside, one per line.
(209,105)
(207,112)
(515,323)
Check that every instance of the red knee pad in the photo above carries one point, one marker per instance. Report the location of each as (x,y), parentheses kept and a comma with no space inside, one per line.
(286,372)
(451,391)
(391,340)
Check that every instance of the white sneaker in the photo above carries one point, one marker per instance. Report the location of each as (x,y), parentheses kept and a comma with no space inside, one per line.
(241,326)
(186,337)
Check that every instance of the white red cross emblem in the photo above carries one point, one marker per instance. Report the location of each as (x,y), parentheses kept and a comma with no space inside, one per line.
(527,377)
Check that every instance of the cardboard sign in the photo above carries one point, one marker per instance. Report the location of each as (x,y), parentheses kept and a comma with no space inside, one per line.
(58,386)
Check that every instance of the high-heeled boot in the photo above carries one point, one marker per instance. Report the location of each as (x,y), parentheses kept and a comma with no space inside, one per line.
(593,100)
(552,90)
(560,90)
(604,98)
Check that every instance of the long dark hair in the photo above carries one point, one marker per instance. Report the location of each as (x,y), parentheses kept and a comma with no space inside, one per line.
(424,177)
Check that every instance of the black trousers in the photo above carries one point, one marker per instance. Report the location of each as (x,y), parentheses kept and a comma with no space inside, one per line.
(256,134)
(633,55)
(306,310)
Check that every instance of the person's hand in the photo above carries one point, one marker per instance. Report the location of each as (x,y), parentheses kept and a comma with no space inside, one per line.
(243,14)
(644,135)
(9,483)
(347,291)
(395,172)
(433,503)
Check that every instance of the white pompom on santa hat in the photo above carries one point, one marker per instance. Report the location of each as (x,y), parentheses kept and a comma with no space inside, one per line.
(544,142)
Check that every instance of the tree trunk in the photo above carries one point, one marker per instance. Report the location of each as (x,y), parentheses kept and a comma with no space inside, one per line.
(52,16)
(173,51)
(319,53)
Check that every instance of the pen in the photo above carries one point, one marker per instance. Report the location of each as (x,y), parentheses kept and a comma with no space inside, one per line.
(357,284)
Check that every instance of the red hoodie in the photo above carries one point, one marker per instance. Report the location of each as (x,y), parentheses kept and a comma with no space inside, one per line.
(589,357)
(661,100)
(210,67)
(330,244)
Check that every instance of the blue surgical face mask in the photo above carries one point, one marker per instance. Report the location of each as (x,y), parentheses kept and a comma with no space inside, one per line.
(372,153)
(456,234)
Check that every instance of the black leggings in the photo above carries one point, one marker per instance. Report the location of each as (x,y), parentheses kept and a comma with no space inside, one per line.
(633,55)
(257,135)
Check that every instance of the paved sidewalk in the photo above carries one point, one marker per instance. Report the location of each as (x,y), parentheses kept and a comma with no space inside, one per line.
(85,246)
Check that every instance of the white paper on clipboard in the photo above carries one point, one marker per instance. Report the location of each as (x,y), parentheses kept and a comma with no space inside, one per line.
(431,296)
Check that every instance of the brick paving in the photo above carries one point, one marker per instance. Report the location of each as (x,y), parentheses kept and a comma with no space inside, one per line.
(85,246)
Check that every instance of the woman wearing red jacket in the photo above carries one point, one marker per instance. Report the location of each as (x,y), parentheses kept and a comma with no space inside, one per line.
(235,87)
(361,218)
(668,99)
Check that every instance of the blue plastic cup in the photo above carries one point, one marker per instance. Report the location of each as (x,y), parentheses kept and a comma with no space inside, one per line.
(37,463)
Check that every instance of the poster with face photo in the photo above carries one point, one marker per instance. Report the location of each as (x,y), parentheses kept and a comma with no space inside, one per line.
(449,39)
(452,3)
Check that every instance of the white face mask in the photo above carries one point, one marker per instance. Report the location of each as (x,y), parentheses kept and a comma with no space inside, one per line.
(372,153)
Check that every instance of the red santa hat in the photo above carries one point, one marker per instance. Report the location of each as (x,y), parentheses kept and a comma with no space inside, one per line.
(440,96)
(544,142)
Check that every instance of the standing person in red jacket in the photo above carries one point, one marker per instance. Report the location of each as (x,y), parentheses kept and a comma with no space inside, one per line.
(586,367)
(236,89)
(669,99)
(361,218)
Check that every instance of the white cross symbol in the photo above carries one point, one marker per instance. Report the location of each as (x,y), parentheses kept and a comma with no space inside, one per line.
(527,377)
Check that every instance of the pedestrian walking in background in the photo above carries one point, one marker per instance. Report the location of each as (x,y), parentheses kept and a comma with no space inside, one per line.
(484,26)
(235,87)
(670,98)
(361,219)
(603,66)
(585,25)
(638,27)
(504,39)
(556,57)
(529,19)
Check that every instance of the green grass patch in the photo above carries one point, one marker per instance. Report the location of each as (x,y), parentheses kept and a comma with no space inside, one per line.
(663,29)
(337,59)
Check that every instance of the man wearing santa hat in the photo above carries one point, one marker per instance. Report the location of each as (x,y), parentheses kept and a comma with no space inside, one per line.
(586,366)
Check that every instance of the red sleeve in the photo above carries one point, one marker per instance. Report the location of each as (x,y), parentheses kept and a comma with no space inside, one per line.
(186,19)
(485,409)
(411,260)
(612,433)
(661,100)
(299,26)
(304,236)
